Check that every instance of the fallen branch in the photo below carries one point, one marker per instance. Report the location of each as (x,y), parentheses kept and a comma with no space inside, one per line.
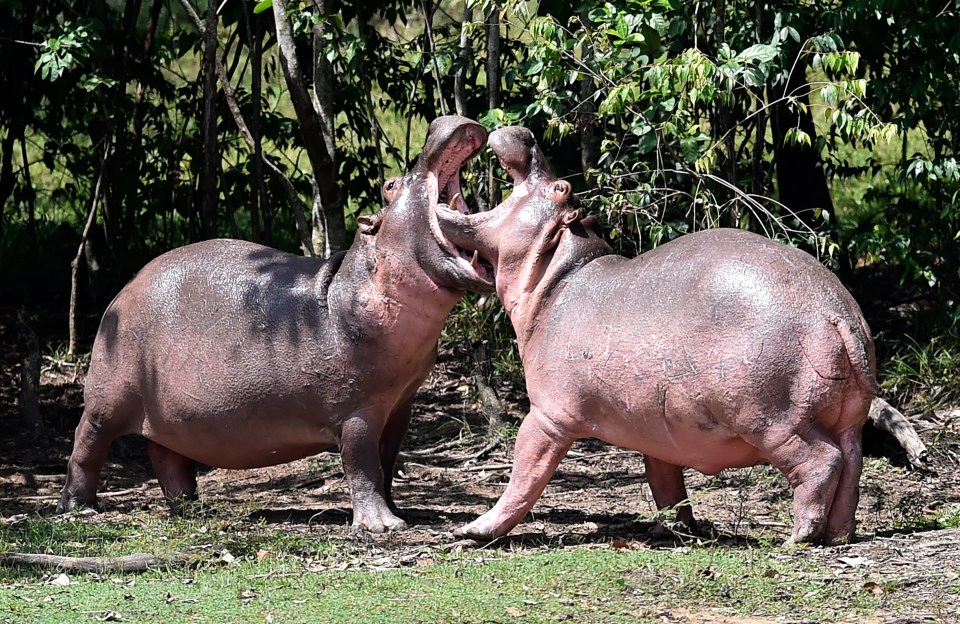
(486,467)
(887,418)
(139,562)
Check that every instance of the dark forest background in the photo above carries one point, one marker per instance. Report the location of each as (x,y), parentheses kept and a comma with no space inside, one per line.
(131,127)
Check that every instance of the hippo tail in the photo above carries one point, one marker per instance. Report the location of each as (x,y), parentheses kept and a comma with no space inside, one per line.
(858,344)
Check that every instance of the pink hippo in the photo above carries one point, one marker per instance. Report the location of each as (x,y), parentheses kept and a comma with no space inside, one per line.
(719,349)
(236,355)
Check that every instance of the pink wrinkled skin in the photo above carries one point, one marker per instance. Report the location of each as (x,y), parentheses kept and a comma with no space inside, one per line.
(719,349)
(236,355)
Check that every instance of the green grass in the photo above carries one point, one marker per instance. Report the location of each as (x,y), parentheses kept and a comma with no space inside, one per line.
(296,576)
(924,375)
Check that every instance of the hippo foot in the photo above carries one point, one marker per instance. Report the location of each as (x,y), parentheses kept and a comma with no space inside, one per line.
(807,534)
(383,523)
(186,505)
(76,509)
(476,531)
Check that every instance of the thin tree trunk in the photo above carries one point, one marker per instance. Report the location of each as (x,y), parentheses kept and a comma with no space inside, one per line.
(323,102)
(253,25)
(324,170)
(493,86)
(211,154)
(75,263)
(29,401)
(490,403)
(297,207)
(589,143)
(428,11)
(463,57)
(138,109)
(7,178)
(30,195)
(375,130)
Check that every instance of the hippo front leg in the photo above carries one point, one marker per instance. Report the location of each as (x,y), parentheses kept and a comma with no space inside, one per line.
(668,489)
(390,440)
(540,447)
(360,453)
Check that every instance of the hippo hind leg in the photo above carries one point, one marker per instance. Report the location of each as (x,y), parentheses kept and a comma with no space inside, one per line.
(812,463)
(177,475)
(841,524)
(91,443)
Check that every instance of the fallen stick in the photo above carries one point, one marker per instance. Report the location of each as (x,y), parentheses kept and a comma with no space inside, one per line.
(487,467)
(888,418)
(139,562)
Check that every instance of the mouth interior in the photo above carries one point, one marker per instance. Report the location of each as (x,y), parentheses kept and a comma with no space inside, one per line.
(445,194)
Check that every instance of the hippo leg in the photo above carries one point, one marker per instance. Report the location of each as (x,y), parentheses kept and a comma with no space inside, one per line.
(177,476)
(666,484)
(539,448)
(812,464)
(841,523)
(390,440)
(90,446)
(364,473)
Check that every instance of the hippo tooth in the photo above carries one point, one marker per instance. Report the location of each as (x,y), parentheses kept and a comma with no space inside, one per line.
(453,202)
(473,260)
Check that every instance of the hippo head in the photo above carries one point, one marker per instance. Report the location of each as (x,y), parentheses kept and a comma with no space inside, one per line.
(518,237)
(406,230)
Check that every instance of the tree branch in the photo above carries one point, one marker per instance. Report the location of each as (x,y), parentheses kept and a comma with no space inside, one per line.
(311,128)
(299,208)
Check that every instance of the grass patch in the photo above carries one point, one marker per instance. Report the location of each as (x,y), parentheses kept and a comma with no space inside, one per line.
(295,576)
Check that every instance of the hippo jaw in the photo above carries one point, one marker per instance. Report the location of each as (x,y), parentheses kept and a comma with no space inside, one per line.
(446,152)
(517,236)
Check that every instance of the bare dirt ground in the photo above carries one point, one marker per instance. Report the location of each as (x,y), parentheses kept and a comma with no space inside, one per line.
(451,473)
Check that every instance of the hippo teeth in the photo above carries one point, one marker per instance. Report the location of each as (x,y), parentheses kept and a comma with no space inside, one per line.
(457,204)
(476,256)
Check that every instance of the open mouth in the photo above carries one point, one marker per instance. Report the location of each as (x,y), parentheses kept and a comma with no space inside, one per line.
(445,194)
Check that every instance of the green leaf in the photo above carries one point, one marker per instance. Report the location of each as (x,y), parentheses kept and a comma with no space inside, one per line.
(760,52)
(262,6)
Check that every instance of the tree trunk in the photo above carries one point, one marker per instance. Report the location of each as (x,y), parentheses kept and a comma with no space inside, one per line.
(493,87)
(801,181)
(490,403)
(323,102)
(326,187)
(81,248)
(211,154)
(297,206)
(29,373)
(587,117)
(463,57)
(30,195)
(254,27)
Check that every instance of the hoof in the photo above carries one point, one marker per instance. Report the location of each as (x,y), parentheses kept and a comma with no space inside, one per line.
(71,505)
(378,526)
(475,533)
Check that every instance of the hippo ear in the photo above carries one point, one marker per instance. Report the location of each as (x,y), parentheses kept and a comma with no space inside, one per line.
(369,224)
(571,216)
(560,191)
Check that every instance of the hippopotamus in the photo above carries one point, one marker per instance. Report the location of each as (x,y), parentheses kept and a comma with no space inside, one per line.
(718,349)
(236,355)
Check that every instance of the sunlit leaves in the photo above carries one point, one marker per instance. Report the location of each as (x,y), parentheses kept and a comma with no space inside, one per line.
(63,53)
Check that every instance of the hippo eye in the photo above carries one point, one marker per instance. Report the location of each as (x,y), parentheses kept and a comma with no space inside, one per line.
(529,142)
(390,185)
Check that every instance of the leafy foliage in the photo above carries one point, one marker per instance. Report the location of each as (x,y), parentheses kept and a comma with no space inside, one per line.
(829,125)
